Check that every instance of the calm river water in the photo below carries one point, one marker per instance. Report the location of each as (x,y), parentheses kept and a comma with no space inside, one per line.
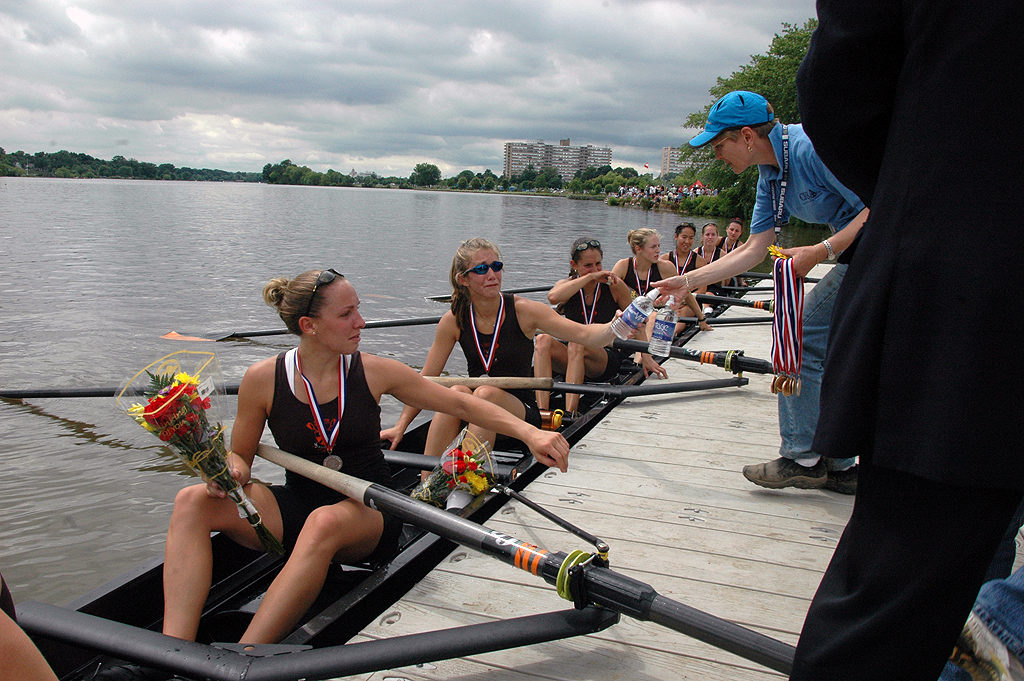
(95,271)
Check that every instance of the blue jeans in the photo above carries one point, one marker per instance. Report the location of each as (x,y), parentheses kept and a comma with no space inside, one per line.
(1000,602)
(798,414)
(1000,605)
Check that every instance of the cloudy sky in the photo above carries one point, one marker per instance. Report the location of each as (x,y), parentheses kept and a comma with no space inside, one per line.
(375,86)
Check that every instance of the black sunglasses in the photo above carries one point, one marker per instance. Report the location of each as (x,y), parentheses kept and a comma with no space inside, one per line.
(326,277)
(482,267)
(593,243)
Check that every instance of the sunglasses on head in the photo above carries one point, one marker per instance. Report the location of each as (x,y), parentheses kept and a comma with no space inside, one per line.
(326,277)
(593,243)
(482,267)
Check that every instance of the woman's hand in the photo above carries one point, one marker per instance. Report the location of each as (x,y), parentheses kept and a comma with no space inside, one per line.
(393,435)
(704,326)
(806,257)
(651,367)
(550,448)
(240,470)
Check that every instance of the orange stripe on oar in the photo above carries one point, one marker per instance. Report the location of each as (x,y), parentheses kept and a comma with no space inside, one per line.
(174,335)
(528,557)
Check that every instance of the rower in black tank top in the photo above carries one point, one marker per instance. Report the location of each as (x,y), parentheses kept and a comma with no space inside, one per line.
(513,355)
(358,446)
(603,311)
(641,285)
(600,311)
(688,266)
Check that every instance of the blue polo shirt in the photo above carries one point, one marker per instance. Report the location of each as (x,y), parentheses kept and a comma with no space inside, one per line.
(813,193)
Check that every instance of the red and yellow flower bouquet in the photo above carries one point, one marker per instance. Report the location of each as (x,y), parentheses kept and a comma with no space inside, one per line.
(465,465)
(180,392)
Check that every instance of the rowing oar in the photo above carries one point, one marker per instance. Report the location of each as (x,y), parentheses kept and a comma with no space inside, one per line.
(578,577)
(719,321)
(227,335)
(503,382)
(705,299)
(730,360)
(447,298)
(606,389)
(748,289)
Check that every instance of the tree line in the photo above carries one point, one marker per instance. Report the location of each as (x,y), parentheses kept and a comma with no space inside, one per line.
(70,164)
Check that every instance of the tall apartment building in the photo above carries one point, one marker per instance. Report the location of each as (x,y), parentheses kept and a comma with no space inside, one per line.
(564,158)
(670,163)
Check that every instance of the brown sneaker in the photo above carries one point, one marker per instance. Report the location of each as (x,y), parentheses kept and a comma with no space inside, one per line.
(844,482)
(783,472)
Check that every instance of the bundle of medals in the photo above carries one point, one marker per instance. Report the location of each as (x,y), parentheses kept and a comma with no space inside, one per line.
(787,324)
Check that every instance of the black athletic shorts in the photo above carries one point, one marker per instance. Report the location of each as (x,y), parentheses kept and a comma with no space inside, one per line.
(296,505)
(611,368)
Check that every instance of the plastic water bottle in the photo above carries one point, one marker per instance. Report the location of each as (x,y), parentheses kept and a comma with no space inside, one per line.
(635,315)
(664,330)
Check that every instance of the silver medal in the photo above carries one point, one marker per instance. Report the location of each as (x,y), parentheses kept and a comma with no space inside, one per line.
(333,462)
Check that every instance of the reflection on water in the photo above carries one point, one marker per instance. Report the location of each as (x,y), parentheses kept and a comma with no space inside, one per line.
(96,271)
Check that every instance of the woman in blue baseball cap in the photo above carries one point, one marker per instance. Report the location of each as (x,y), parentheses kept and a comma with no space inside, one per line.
(743,132)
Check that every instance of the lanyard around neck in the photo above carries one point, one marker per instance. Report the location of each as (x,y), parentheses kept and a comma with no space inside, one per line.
(589,318)
(489,359)
(779,202)
(680,269)
(327,439)
(641,289)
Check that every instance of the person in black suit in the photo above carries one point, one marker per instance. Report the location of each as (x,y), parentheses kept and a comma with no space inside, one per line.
(913,106)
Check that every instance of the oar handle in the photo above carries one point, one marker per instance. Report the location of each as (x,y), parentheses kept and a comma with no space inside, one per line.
(336,480)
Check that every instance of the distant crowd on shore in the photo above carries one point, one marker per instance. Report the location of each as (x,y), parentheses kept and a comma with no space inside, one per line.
(662,194)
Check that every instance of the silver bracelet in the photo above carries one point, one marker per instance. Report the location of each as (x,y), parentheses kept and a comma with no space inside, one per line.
(686,280)
(831,253)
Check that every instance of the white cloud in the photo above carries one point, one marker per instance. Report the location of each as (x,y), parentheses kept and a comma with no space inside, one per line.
(376,87)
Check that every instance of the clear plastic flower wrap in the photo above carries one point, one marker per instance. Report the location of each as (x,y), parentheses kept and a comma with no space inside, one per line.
(181,407)
(465,465)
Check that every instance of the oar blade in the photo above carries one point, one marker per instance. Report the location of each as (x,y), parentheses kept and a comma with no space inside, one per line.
(174,335)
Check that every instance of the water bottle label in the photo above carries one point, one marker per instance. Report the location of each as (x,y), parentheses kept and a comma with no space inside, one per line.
(633,317)
(663,330)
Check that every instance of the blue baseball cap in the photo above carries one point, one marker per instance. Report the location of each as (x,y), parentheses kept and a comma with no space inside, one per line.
(735,110)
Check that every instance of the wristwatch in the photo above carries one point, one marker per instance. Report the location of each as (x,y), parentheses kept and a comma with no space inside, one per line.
(831,253)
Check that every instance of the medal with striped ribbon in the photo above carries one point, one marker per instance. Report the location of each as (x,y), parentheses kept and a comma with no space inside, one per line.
(787,325)
(489,359)
(326,440)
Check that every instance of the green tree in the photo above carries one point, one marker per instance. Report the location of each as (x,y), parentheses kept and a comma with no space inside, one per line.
(528,175)
(425,175)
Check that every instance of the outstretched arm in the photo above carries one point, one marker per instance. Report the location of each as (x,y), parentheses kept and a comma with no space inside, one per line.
(806,257)
(731,264)
(394,378)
